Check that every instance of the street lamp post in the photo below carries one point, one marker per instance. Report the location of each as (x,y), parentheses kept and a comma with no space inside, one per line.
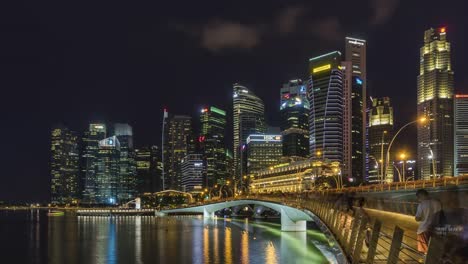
(422,120)
(381,157)
(432,161)
(403,158)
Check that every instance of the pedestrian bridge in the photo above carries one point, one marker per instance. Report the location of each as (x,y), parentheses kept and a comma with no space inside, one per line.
(292,219)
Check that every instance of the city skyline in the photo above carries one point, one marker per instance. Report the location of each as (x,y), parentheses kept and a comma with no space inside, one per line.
(147,125)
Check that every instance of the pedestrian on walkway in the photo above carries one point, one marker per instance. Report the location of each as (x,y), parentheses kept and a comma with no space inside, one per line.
(428,216)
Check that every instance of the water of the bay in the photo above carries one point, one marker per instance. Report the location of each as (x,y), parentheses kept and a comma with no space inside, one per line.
(30,236)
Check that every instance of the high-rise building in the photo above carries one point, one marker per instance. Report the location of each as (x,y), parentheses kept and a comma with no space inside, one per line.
(294,112)
(294,88)
(212,141)
(380,134)
(148,165)
(64,165)
(347,164)
(355,52)
(95,133)
(435,102)
(107,172)
(263,151)
(461,134)
(325,94)
(178,143)
(127,176)
(193,170)
(248,119)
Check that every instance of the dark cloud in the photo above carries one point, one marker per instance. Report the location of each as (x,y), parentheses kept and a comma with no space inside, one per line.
(383,10)
(287,19)
(328,29)
(220,35)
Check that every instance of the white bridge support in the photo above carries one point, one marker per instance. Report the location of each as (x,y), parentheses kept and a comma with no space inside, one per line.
(207,214)
(288,225)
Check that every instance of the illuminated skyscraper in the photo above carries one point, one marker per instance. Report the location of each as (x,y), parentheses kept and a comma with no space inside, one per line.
(248,119)
(435,101)
(461,134)
(193,172)
(325,94)
(148,165)
(355,52)
(64,165)
(294,111)
(91,138)
(212,141)
(380,134)
(178,143)
(263,151)
(107,172)
(127,175)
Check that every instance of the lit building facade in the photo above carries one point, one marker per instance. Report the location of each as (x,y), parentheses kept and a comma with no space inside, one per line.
(148,166)
(212,141)
(435,102)
(263,151)
(325,95)
(296,176)
(355,52)
(127,175)
(107,180)
(64,165)
(380,134)
(294,112)
(95,133)
(178,143)
(193,173)
(461,134)
(248,119)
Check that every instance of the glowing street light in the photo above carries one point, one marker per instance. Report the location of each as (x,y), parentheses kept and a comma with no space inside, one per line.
(403,158)
(421,120)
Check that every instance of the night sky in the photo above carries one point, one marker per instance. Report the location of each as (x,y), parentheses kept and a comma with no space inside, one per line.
(77,62)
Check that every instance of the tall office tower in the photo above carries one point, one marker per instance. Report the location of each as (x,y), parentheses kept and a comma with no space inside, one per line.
(148,166)
(355,52)
(460,107)
(213,145)
(263,151)
(294,112)
(107,170)
(127,176)
(294,88)
(346,167)
(380,134)
(435,101)
(94,134)
(64,166)
(248,119)
(178,143)
(193,170)
(325,94)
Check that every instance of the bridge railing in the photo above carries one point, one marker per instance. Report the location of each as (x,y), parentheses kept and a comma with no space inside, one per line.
(363,239)
(407,185)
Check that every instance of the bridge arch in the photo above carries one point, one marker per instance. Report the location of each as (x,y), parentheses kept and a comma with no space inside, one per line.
(292,219)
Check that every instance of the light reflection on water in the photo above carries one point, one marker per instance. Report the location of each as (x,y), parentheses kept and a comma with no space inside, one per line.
(146,239)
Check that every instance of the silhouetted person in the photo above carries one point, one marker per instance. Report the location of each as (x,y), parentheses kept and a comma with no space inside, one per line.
(427,214)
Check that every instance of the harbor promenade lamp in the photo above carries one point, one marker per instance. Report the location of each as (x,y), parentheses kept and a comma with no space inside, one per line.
(423,120)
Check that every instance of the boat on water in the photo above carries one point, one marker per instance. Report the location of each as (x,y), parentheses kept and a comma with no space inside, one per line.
(55,213)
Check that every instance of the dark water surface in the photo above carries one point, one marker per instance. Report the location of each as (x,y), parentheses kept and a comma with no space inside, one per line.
(33,237)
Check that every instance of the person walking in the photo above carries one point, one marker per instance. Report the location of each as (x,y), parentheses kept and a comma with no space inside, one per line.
(428,216)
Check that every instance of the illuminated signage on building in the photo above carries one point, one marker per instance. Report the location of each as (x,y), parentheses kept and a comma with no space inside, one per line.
(322,68)
(264,138)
